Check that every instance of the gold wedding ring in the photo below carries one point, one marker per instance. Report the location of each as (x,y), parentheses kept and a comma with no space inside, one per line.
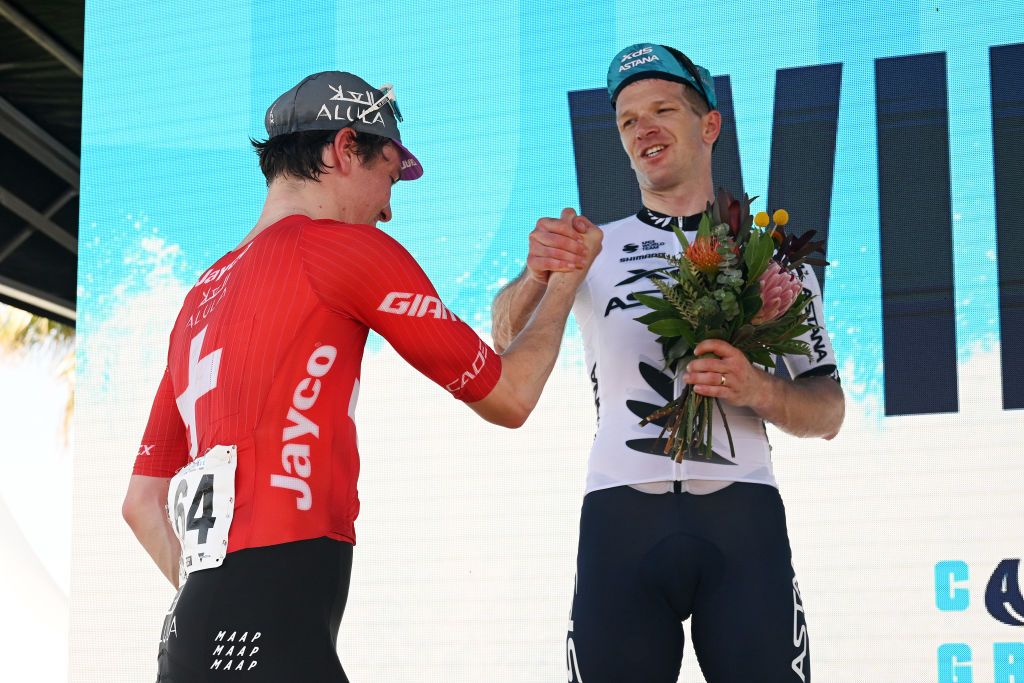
(722,383)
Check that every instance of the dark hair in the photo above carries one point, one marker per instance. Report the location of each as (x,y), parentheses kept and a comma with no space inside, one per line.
(300,155)
(696,100)
(698,86)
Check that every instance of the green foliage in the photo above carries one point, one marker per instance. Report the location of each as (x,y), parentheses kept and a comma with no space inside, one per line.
(673,327)
(793,347)
(695,306)
(706,221)
(652,302)
(751,301)
(655,316)
(757,254)
(683,242)
(680,350)
(761,356)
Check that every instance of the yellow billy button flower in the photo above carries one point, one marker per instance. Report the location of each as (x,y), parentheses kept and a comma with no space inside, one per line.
(703,254)
(781,217)
(761,219)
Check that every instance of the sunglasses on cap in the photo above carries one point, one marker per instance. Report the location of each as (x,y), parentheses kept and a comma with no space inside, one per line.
(388,98)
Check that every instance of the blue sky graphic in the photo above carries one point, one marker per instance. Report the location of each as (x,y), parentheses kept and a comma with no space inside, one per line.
(168,112)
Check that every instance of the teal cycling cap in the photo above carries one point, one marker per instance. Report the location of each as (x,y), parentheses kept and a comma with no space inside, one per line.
(647,60)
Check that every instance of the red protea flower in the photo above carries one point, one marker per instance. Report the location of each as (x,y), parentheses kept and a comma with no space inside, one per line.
(703,254)
(779,290)
(733,212)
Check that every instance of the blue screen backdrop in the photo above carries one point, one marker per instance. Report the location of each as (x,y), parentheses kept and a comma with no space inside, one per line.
(875,123)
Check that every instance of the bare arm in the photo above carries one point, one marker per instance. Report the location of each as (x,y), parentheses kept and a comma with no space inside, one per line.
(513,307)
(809,407)
(145,511)
(528,360)
(556,245)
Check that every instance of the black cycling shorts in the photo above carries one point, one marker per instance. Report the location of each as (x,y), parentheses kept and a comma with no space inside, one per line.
(647,562)
(267,615)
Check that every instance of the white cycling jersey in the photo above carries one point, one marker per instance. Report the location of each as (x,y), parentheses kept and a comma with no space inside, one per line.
(629,377)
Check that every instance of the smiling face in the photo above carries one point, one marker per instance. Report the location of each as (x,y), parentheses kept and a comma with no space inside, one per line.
(667,140)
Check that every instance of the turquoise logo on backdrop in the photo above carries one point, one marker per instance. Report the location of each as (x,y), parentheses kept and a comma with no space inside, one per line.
(1003,597)
(956,663)
(1004,603)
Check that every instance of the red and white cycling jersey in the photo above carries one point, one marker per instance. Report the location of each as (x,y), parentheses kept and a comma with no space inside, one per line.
(265,354)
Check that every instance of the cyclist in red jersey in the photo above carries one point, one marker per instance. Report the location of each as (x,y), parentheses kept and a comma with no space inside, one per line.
(251,444)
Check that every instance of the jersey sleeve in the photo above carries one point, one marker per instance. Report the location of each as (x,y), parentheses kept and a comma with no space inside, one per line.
(363,273)
(164,448)
(822,362)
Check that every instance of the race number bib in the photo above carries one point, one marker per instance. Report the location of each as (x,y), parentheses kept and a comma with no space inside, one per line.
(201,503)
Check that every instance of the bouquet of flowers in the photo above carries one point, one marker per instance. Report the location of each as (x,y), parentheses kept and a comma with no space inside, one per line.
(734,282)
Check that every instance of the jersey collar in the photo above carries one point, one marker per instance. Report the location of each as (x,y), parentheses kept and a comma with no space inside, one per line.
(665,222)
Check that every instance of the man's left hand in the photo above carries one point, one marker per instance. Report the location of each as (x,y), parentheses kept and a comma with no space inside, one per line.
(727,374)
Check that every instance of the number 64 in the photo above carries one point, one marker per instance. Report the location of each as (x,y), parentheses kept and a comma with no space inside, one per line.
(203,496)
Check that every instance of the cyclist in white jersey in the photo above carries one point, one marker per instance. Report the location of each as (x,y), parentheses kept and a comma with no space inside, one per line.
(715,547)
(628,389)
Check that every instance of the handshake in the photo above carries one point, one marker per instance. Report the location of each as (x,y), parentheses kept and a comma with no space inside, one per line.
(568,244)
